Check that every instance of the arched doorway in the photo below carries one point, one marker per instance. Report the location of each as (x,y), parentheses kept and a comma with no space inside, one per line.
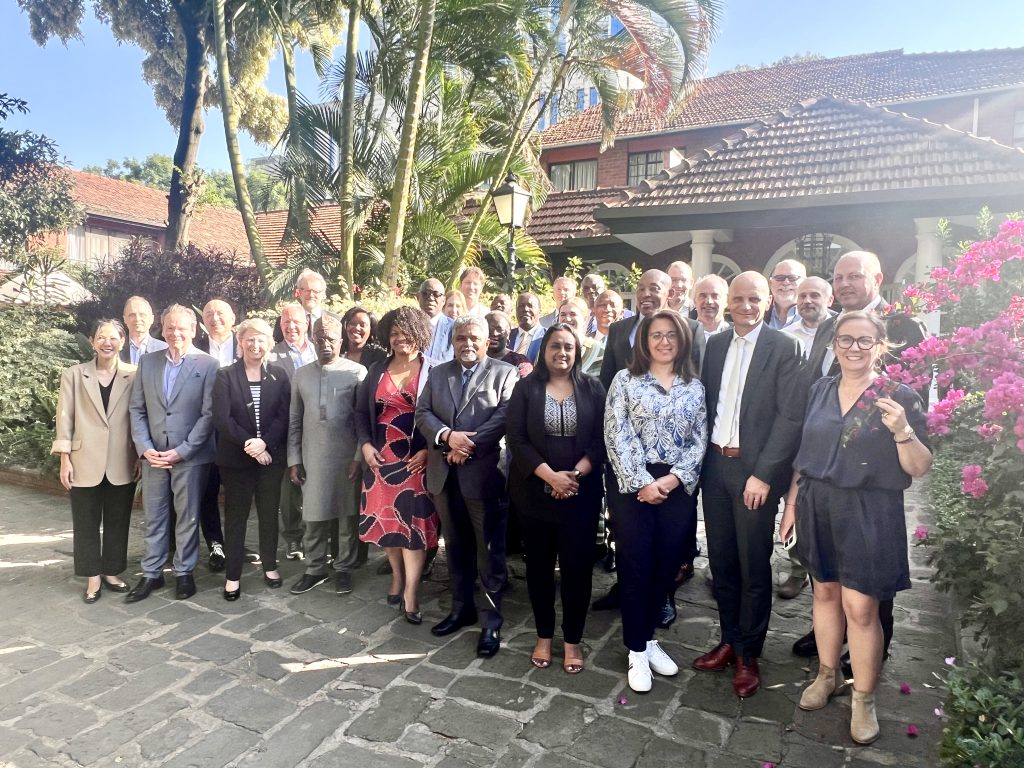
(818,251)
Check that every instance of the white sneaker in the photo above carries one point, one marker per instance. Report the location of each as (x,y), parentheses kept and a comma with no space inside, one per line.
(660,661)
(639,674)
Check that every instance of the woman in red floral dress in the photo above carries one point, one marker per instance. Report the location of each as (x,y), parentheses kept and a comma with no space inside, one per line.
(395,511)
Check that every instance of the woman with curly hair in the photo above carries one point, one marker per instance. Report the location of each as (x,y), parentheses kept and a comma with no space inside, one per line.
(395,511)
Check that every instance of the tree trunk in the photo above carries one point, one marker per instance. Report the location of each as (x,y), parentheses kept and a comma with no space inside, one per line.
(298,214)
(346,266)
(192,16)
(407,145)
(234,153)
(516,137)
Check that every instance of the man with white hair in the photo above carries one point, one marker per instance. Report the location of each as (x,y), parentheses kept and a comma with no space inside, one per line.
(785,277)
(562,289)
(138,319)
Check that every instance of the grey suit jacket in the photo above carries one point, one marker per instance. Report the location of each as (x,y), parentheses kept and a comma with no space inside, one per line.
(184,421)
(281,356)
(482,410)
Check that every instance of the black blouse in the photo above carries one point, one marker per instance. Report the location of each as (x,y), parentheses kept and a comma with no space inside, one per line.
(856,450)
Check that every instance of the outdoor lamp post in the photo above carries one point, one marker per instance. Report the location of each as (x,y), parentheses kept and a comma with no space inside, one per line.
(510,204)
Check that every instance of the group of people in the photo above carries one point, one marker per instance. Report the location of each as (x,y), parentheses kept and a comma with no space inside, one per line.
(352,431)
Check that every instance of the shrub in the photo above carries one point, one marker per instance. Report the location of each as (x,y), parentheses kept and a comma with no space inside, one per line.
(35,346)
(985,720)
(191,277)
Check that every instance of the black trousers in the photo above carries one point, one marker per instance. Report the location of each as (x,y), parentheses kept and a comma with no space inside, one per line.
(109,506)
(571,542)
(740,545)
(240,486)
(649,543)
(209,511)
(474,536)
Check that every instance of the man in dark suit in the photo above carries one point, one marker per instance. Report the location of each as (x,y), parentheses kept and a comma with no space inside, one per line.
(172,426)
(651,295)
(754,420)
(138,319)
(461,412)
(526,337)
(857,281)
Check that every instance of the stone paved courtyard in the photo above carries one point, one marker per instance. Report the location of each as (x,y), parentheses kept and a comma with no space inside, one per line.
(324,680)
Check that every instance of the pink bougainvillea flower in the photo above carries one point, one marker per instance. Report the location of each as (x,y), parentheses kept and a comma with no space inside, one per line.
(921,532)
(623,700)
(939,711)
(767,765)
(912,731)
(905,688)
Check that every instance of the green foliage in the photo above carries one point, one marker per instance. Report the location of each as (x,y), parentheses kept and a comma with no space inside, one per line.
(574,267)
(985,725)
(190,277)
(35,346)
(35,189)
(625,282)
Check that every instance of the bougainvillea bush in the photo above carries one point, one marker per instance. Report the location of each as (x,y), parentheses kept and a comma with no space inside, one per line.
(977,480)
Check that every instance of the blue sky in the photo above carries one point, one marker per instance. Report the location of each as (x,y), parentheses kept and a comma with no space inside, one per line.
(91,99)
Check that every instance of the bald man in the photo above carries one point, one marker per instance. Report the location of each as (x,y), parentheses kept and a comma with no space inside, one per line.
(219,324)
(682,281)
(785,277)
(651,295)
(755,416)
(813,299)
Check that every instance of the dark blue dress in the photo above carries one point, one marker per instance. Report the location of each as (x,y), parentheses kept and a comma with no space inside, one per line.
(850,521)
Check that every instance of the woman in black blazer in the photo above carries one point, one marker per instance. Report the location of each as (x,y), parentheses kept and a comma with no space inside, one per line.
(359,340)
(250,411)
(554,432)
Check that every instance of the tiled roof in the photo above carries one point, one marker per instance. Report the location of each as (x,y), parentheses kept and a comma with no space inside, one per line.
(325,221)
(825,147)
(570,213)
(137,204)
(888,77)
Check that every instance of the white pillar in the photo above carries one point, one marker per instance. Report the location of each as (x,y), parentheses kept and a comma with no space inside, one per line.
(702,245)
(929,256)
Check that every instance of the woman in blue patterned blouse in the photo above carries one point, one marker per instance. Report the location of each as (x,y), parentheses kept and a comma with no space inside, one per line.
(655,430)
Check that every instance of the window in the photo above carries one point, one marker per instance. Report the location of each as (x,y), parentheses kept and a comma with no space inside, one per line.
(95,246)
(553,110)
(581,174)
(643,165)
(614,26)
(581,100)
(542,123)
(593,96)
(1018,128)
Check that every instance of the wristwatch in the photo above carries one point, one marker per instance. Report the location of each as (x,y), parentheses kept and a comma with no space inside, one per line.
(577,474)
(907,434)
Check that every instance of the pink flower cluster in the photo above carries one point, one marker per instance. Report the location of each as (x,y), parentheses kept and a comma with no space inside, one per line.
(941,413)
(971,481)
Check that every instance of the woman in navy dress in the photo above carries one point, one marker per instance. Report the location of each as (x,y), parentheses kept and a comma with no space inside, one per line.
(863,441)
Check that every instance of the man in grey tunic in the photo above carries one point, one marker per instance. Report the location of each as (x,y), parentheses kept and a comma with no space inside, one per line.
(322,456)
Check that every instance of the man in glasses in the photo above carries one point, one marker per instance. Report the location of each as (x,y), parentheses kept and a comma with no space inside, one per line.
(431,299)
(785,277)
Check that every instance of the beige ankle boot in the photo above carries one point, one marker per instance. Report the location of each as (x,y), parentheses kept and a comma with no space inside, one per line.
(817,694)
(863,723)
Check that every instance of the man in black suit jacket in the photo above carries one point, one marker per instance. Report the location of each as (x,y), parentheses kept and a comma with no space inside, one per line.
(651,295)
(461,413)
(755,415)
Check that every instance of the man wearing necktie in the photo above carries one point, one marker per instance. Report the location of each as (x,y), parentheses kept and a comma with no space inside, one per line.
(755,416)
(461,413)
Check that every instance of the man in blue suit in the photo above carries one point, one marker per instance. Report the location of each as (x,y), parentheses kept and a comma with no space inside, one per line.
(526,338)
(172,426)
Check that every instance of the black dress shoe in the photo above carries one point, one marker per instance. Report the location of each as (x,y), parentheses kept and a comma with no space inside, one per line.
(306,583)
(610,601)
(121,588)
(414,617)
(489,643)
(91,597)
(216,561)
(608,564)
(270,581)
(806,647)
(141,590)
(667,614)
(232,594)
(453,623)
(185,587)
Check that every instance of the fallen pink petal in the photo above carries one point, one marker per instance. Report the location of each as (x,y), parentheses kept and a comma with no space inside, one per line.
(912,731)
(905,688)
(767,765)
(921,532)
(623,700)
(951,661)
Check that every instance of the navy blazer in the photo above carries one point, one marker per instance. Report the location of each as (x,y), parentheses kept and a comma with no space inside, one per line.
(772,406)
(235,418)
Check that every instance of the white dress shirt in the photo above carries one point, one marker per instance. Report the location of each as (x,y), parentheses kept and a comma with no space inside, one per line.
(720,435)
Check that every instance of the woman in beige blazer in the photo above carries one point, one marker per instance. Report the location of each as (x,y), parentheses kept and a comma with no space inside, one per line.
(98,463)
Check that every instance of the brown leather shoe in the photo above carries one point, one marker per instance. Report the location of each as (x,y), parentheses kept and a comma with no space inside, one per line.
(719,657)
(747,678)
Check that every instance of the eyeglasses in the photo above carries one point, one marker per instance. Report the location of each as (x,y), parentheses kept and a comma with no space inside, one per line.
(786,278)
(659,335)
(864,343)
